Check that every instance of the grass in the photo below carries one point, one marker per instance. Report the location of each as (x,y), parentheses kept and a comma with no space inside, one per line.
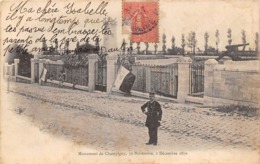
(243,110)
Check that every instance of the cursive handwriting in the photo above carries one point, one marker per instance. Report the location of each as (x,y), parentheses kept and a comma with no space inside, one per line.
(100,10)
(31,27)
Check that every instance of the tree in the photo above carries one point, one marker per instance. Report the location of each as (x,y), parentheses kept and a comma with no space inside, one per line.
(194,42)
(138,47)
(44,45)
(206,37)
(146,49)
(155,48)
(229,35)
(131,47)
(56,44)
(183,43)
(77,46)
(189,39)
(243,36)
(256,41)
(173,44)
(123,47)
(217,39)
(164,42)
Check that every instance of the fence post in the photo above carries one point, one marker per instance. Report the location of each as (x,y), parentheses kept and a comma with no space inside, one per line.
(92,59)
(208,81)
(41,61)
(111,59)
(183,78)
(148,79)
(32,70)
(16,62)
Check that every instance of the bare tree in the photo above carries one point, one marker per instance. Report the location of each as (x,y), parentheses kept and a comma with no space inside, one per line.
(183,43)
(217,39)
(206,37)
(229,35)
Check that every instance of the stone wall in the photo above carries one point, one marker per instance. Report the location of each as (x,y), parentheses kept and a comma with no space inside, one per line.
(232,83)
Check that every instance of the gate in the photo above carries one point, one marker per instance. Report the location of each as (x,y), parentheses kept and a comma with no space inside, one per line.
(101,75)
(196,79)
(164,80)
(24,67)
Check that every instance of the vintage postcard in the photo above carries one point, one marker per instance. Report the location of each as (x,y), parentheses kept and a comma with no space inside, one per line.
(129,81)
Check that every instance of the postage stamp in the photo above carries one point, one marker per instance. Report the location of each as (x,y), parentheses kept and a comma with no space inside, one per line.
(140,20)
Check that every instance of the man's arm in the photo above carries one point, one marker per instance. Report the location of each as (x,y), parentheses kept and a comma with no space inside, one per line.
(143,107)
(160,112)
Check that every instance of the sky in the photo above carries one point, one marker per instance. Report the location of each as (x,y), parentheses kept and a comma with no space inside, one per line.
(176,17)
(207,16)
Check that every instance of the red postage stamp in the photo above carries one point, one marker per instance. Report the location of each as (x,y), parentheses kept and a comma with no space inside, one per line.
(140,19)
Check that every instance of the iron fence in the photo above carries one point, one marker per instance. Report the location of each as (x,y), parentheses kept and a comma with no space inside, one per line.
(162,79)
(196,79)
(77,75)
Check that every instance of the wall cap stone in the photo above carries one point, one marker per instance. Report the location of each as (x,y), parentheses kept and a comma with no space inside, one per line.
(33,60)
(60,62)
(112,56)
(41,60)
(93,56)
(187,60)
(16,60)
(211,62)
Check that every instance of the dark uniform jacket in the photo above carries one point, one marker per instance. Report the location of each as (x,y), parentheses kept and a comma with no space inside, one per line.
(154,113)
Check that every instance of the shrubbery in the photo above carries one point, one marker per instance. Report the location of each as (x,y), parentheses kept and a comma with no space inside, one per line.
(244,110)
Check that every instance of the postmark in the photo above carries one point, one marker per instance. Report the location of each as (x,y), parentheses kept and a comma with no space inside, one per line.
(140,20)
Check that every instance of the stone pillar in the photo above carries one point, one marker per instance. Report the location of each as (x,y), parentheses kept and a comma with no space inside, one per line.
(36,56)
(5,71)
(148,79)
(92,59)
(41,61)
(111,60)
(208,81)
(183,78)
(16,62)
(32,70)
(11,69)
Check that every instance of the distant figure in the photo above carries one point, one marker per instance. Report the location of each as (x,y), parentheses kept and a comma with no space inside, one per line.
(60,80)
(154,116)
(74,83)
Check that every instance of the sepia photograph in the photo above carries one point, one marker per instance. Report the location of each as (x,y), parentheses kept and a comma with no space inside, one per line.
(130,81)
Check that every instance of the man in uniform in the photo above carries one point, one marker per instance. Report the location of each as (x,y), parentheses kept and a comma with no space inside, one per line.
(154,116)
